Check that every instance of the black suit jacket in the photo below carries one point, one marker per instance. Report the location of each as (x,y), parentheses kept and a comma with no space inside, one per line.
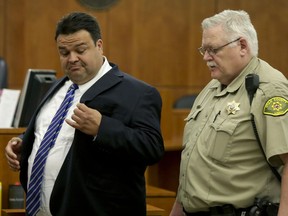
(106,176)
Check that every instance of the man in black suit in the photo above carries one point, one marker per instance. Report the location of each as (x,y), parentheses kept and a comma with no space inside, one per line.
(111,133)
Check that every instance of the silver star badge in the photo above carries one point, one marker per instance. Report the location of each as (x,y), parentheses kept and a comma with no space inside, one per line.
(232,107)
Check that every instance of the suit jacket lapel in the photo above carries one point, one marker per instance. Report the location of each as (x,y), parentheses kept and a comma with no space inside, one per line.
(110,79)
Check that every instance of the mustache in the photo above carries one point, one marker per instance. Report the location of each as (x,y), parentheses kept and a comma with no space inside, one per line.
(211,64)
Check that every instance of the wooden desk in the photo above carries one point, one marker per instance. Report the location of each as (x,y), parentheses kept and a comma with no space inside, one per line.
(161,198)
(154,211)
(151,211)
(7,176)
(13,212)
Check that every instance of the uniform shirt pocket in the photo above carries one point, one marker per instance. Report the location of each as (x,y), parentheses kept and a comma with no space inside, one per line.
(220,139)
(190,125)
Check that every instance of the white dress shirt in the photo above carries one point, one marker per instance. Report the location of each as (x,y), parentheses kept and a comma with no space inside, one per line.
(58,152)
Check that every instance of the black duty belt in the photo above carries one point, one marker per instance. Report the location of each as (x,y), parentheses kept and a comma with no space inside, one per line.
(225,210)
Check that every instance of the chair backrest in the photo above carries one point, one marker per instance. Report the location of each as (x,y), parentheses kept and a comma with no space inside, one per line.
(3,74)
(185,102)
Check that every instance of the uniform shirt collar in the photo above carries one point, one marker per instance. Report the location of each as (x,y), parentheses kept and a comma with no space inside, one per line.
(238,81)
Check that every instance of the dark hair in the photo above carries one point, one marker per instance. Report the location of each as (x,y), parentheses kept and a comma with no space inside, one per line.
(77,21)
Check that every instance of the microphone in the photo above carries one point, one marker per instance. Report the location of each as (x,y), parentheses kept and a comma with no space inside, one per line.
(251,85)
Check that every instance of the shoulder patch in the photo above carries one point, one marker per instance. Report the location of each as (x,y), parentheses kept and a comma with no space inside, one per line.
(276,106)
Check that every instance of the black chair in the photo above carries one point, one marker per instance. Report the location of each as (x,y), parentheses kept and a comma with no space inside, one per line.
(3,74)
(185,102)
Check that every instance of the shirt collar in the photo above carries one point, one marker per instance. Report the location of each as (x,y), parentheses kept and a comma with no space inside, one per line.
(102,71)
(238,81)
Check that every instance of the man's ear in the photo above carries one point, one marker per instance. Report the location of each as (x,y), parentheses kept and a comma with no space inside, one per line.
(99,44)
(244,48)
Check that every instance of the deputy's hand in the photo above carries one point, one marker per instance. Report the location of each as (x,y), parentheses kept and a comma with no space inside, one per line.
(85,119)
(13,153)
(177,210)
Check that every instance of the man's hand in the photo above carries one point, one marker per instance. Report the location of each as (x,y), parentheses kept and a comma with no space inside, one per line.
(85,119)
(177,210)
(13,153)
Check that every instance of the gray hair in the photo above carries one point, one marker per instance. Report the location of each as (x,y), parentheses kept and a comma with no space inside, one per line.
(235,24)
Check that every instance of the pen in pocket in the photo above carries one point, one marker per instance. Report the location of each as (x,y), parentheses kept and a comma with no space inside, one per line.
(216,116)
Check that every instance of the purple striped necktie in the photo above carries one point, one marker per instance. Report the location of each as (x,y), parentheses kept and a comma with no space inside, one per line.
(34,188)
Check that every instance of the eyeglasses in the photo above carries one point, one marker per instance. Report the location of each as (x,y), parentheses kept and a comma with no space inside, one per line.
(213,51)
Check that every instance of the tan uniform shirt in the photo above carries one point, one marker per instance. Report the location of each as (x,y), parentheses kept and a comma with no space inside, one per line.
(222,162)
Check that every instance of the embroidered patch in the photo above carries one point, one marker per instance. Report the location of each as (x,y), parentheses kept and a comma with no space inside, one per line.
(276,106)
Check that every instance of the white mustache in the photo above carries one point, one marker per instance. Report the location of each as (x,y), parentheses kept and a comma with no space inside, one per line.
(211,64)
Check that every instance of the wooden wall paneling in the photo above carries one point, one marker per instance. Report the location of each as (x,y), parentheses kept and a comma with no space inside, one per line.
(161,33)
(48,45)
(2,26)
(194,74)
(30,29)
(14,41)
(42,49)
(270,21)
(197,73)
(120,44)
(167,36)
(41,18)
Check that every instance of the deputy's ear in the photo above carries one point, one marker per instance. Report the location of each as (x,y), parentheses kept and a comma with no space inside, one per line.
(244,46)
